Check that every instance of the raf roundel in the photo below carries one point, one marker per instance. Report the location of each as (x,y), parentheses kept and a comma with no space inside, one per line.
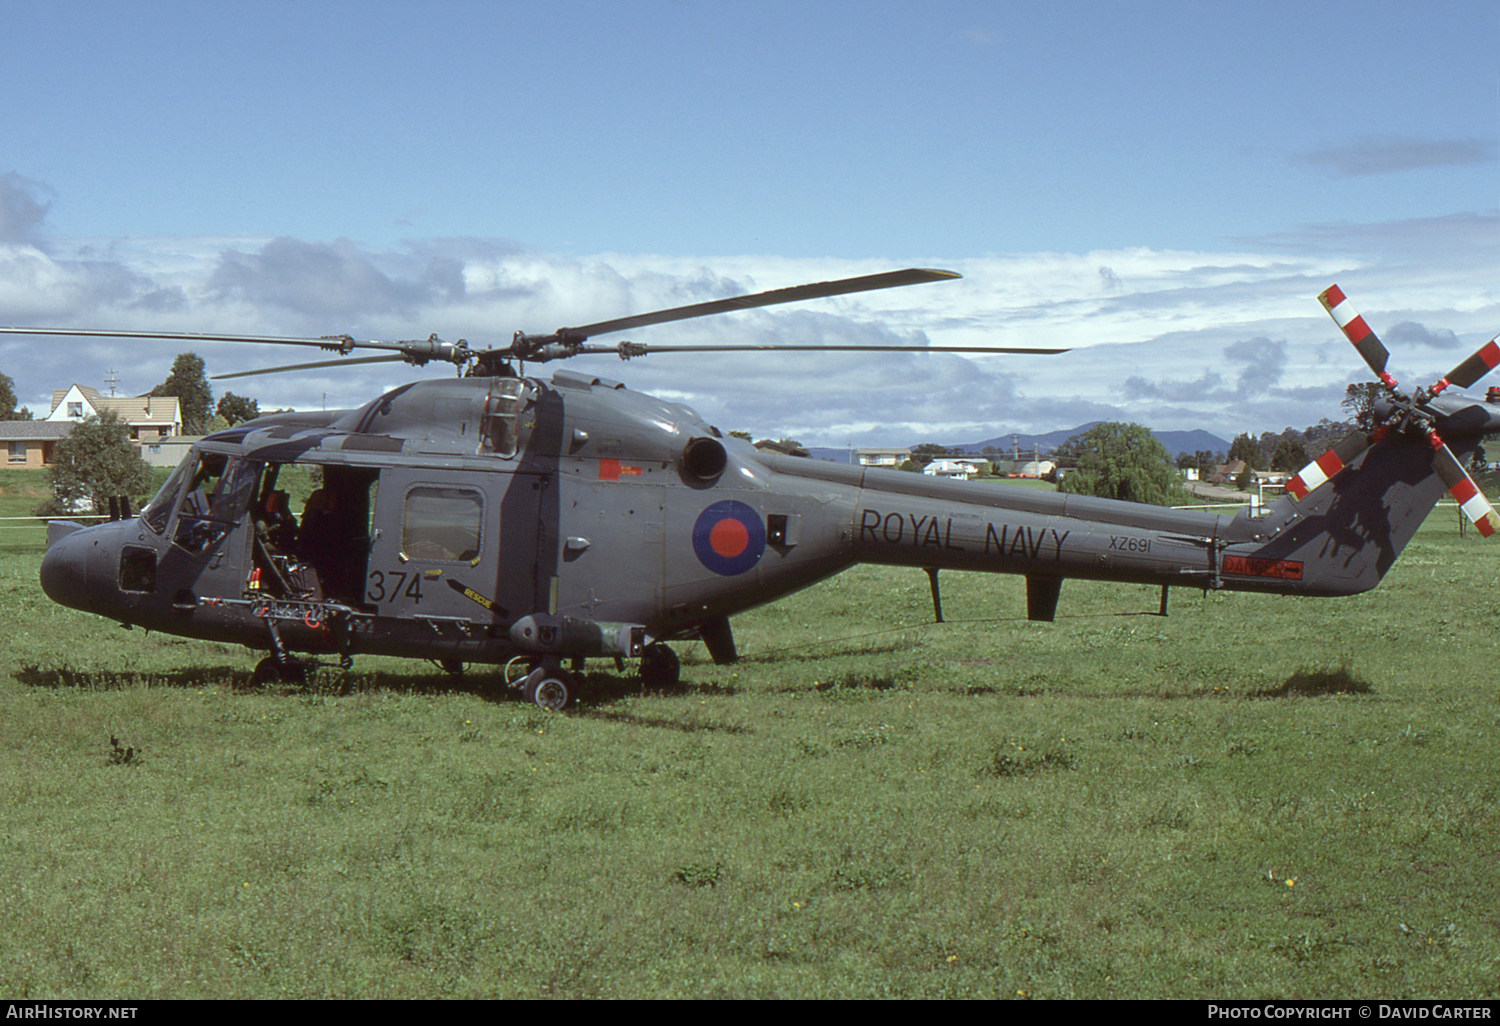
(729,537)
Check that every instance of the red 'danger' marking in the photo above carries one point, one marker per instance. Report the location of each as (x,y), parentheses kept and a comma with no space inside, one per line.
(1249,566)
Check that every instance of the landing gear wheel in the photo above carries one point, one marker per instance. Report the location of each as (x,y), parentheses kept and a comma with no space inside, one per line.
(660,667)
(548,688)
(452,667)
(269,671)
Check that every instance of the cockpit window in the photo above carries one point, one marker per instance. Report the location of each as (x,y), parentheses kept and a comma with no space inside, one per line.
(217,496)
(502,413)
(159,510)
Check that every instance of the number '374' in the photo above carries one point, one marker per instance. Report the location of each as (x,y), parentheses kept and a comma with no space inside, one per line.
(386,585)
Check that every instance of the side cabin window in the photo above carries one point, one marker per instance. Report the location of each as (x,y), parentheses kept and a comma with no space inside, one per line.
(441,524)
(502,414)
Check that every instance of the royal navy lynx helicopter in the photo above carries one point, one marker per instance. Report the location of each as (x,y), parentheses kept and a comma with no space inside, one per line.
(503,519)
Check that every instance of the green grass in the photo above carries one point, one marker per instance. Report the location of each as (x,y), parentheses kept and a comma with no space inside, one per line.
(1253,797)
(20,492)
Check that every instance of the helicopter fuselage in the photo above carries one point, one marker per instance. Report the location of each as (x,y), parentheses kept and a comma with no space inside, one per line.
(476,519)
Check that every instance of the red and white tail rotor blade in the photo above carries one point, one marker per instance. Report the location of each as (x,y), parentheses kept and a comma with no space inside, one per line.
(1343,453)
(1357,331)
(1472,369)
(1463,489)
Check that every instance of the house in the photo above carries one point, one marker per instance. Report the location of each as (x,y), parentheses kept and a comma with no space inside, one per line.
(168,452)
(882,457)
(28,443)
(1225,473)
(963,469)
(152,421)
(148,417)
(1033,468)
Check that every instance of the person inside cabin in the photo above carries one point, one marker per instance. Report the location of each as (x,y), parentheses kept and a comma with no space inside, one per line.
(274,523)
(330,541)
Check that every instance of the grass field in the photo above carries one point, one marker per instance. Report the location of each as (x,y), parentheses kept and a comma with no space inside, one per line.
(1253,797)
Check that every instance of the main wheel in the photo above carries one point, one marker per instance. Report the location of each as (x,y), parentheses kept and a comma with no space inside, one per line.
(549,689)
(269,671)
(660,667)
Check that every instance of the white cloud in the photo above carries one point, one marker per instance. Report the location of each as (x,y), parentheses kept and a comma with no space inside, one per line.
(1228,341)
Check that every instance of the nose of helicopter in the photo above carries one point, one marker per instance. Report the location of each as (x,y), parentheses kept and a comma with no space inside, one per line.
(65,565)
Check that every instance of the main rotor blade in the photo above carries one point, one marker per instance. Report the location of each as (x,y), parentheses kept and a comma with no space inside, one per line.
(797,293)
(416,351)
(1463,489)
(627,350)
(309,366)
(1357,331)
(326,342)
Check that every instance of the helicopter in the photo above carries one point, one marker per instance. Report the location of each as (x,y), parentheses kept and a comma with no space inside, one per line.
(498,518)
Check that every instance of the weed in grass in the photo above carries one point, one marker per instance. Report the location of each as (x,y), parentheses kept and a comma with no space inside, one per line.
(123,755)
(1013,758)
(699,874)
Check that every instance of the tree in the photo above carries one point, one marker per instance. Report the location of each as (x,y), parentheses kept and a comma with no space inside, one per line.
(8,409)
(96,461)
(1289,456)
(234,408)
(1123,461)
(1320,437)
(1245,448)
(194,397)
(927,452)
(1359,400)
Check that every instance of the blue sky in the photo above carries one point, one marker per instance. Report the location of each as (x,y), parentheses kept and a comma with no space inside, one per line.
(1166,186)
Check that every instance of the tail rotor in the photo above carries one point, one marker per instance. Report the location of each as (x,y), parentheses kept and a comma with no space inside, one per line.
(1398,412)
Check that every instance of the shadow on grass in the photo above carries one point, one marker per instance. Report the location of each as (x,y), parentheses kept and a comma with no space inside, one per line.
(688,725)
(816,651)
(66,677)
(594,688)
(1311,683)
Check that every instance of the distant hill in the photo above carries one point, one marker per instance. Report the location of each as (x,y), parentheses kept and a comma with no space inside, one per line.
(1175,442)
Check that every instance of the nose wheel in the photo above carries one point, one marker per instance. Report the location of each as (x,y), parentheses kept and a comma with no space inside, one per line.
(270,670)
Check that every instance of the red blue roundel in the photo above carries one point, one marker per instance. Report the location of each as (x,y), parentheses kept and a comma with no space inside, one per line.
(729,537)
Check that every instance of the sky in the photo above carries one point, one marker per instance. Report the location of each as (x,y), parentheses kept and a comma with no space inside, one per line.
(1164,187)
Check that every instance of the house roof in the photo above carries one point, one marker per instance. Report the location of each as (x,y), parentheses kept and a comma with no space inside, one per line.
(141,409)
(34,430)
(59,394)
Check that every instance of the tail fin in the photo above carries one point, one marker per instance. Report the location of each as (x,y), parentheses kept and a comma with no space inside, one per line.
(1343,537)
